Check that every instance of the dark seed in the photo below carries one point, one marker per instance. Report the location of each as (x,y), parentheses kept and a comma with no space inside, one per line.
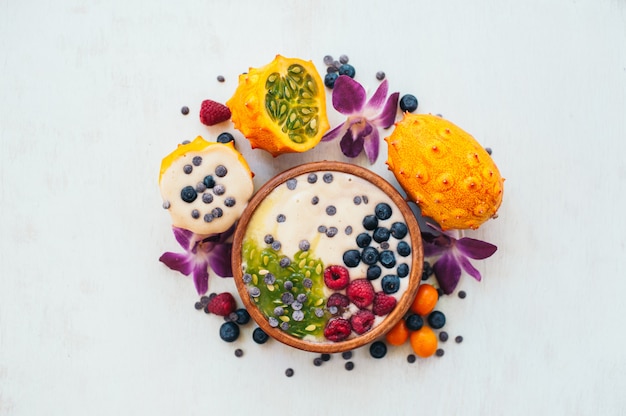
(410,358)
(195,214)
(184,110)
(280,218)
(229,202)
(462,294)
(357,200)
(331,232)
(220,78)
(312,178)
(349,366)
(443,336)
(317,361)
(219,189)
(221,171)
(458,339)
(331,210)
(187,169)
(315,200)
(380,75)
(268,239)
(291,184)
(325,357)
(346,355)
(188,194)
(238,352)
(439,352)
(365,199)
(328,177)
(289,372)
(197,160)
(348,230)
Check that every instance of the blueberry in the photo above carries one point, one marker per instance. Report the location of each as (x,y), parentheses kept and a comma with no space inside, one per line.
(414,322)
(427,271)
(370,222)
(351,258)
(259,336)
(387,259)
(188,194)
(399,230)
(208,181)
(402,270)
(378,349)
(243,317)
(229,331)
(381,234)
(403,249)
(221,171)
(225,138)
(390,284)
(383,211)
(330,78)
(369,255)
(436,320)
(363,240)
(373,272)
(408,103)
(347,69)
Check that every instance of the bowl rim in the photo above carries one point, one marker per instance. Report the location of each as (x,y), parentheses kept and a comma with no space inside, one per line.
(414,277)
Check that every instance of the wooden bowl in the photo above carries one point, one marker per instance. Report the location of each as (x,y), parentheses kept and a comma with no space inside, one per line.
(285,192)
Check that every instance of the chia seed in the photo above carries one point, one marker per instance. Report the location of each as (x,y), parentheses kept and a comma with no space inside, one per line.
(219,189)
(200,187)
(288,285)
(279,311)
(238,352)
(221,171)
(410,358)
(312,178)
(284,326)
(184,110)
(439,352)
(357,200)
(321,229)
(220,78)
(462,294)
(289,372)
(272,321)
(331,232)
(276,245)
(291,184)
(207,198)
(268,239)
(331,210)
(328,177)
(349,366)
(458,339)
(304,245)
(287,298)
(365,199)
(346,355)
(166,205)
(297,316)
(280,218)
(315,200)
(187,169)
(254,291)
(247,278)
(348,230)
(443,336)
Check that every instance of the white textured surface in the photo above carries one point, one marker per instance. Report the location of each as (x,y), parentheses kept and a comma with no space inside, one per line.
(91,322)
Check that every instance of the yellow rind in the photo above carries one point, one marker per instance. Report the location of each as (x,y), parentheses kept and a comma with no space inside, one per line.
(445,171)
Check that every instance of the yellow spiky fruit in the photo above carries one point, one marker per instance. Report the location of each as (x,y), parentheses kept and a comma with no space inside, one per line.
(281,107)
(445,171)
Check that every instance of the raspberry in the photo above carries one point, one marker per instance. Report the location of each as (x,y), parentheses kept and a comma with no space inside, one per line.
(337,329)
(360,292)
(212,112)
(383,304)
(337,299)
(362,321)
(336,277)
(223,304)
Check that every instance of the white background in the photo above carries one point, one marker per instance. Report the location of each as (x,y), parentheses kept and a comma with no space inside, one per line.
(90,321)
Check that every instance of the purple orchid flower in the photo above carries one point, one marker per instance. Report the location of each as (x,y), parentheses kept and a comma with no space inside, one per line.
(455,255)
(360,131)
(201,253)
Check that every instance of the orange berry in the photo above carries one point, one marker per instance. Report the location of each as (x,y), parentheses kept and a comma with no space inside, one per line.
(425,299)
(398,334)
(424,342)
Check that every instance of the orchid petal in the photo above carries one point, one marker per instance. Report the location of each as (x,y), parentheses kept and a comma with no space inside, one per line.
(349,146)
(431,249)
(179,262)
(371,145)
(201,277)
(184,237)
(475,249)
(219,261)
(340,130)
(377,100)
(388,116)
(447,272)
(348,95)
(469,269)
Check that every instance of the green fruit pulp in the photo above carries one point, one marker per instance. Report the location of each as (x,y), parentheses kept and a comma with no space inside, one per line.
(259,261)
(290,102)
